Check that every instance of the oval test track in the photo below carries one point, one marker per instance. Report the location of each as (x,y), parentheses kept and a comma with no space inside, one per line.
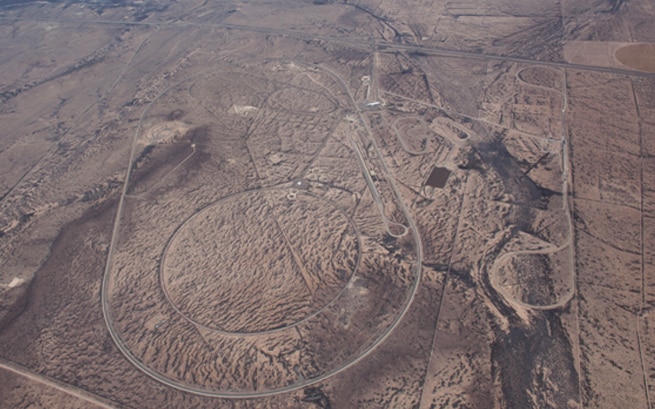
(107,314)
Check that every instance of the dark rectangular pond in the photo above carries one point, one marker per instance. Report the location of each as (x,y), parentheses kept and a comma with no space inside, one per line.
(438,177)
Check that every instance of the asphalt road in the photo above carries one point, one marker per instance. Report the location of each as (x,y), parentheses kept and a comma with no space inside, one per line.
(106,308)
(382,46)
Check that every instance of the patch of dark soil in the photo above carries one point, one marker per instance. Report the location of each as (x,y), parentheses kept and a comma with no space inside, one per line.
(398,37)
(158,161)
(463,276)
(153,163)
(94,58)
(101,190)
(522,217)
(614,6)
(534,272)
(12,303)
(473,161)
(346,54)
(535,361)
(390,242)
(175,115)
(541,76)
(480,393)
(316,397)
(57,286)
(200,135)
(522,43)
(494,297)
(522,188)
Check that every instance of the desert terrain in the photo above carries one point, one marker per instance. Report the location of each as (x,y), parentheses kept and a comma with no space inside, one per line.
(327,204)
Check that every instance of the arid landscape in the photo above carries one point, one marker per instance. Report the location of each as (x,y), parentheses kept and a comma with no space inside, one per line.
(327,204)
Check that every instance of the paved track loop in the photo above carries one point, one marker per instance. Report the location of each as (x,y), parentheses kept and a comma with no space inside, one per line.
(365,351)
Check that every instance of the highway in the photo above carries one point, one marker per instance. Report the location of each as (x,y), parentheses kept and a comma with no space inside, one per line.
(359,42)
(411,228)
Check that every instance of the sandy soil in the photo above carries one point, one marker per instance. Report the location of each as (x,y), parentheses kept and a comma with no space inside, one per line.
(231,205)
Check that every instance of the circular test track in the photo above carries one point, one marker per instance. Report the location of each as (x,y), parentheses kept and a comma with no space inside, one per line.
(291,192)
(410,292)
